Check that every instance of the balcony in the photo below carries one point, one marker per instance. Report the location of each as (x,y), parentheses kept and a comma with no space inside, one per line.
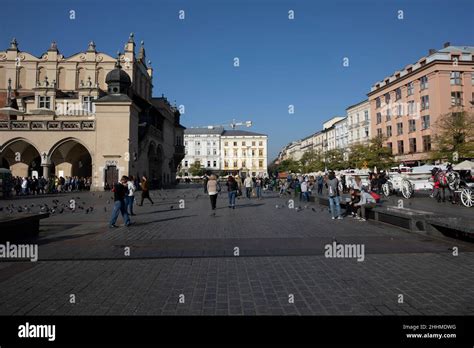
(13,125)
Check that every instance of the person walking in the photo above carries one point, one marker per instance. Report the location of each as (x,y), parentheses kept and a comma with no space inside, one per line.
(213,189)
(120,192)
(205,179)
(248,186)
(130,197)
(320,184)
(232,188)
(258,187)
(145,186)
(334,197)
(305,190)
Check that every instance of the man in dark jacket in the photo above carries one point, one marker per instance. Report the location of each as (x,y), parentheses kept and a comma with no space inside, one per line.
(120,191)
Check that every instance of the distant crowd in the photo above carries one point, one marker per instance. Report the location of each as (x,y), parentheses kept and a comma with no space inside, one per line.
(23,186)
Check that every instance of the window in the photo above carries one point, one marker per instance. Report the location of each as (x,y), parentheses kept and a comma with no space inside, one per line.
(411,126)
(425,102)
(244,164)
(389,114)
(410,88)
(253,152)
(225,152)
(387,98)
(260,143)
(389,131)
(423,82)
(379,132)
(366,115)
(401,150)
(208,152)
(398,93)
(377,102)
(185,163)
(197,152)
(366,132)
(426,143)
(214,164)
(226,164)
(185,143)
(400,110)
(197,143)
(214,151)
(244,152)
(390,146)
(235,153)
(44,102)
(253,143)
(235,164)
(455,78)
(379,117)
(472,78)
(260,163)
(260,152)
(235,143)
(456,98)
(411,108)
(208,164)
(226,143)
(412,145)
(208,143)
(243,143)
(399,128)
(425,122)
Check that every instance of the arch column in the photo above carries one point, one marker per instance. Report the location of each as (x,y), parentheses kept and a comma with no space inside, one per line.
(46,164)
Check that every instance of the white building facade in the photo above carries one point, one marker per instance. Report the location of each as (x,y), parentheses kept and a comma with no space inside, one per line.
(358,123)
(202,145)
(244,153)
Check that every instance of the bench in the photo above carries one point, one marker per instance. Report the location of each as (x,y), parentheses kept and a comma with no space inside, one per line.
(25,226)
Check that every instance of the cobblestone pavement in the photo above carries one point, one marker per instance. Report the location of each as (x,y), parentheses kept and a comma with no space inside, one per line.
(184,262)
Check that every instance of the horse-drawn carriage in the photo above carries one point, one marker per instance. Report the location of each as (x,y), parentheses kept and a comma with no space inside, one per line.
(408,181)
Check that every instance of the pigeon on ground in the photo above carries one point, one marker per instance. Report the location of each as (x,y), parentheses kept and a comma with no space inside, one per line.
(61,210)
(313,210)
(171,207)
(105,209)
(108,202)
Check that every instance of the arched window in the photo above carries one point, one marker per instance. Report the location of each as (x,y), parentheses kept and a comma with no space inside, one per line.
(61,79)
(41,75)
(81,77)
(22,78)
(3,83)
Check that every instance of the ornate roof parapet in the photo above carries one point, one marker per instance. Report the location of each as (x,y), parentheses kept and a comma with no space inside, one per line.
(13,45)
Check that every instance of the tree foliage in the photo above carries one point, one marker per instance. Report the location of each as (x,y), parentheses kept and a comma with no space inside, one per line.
(454,132)
(195,169)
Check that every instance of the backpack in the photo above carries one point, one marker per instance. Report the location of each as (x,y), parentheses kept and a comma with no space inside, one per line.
(375,196)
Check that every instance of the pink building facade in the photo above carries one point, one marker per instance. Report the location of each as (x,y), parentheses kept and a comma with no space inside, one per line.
(405,106)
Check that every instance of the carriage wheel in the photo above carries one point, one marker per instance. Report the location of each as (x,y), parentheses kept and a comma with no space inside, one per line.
(467,197)
(386,189)
(407,189)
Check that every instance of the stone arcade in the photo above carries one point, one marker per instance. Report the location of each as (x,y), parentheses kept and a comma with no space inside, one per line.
(87,115)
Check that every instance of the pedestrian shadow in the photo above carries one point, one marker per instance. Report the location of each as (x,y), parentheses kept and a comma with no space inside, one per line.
(238,206)
(157,211)
(160,220)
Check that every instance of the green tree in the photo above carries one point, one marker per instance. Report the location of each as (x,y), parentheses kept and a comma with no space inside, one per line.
(195,169)
(454,133)
(311,161)
(289,165)
(335,159)
(374,154)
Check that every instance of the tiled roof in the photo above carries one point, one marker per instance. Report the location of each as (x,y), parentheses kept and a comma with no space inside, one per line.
(204,130)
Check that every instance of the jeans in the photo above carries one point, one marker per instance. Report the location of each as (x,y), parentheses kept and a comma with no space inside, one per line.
(248,190)
(320,189)
(363,211)
(334,201)
(129,203)
(259,192)
(119,207)
(306,196)
(232,195)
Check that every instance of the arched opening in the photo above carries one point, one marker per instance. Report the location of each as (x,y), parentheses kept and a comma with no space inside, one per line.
(101,79)
(62,79)
(70,158)
(22,158)
(41,76)
(22,78)
(81,77)
(155,162)
(3,81)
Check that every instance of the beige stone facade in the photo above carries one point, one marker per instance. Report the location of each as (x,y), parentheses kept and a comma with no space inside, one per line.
(61,117)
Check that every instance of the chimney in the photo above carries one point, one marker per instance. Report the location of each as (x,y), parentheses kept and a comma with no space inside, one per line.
(431,51)
(446,44)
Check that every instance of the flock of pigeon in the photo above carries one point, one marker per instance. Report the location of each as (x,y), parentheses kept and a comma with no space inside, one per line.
(71,205)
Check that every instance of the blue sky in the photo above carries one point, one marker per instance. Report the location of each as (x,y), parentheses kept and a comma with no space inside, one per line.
(282,61)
